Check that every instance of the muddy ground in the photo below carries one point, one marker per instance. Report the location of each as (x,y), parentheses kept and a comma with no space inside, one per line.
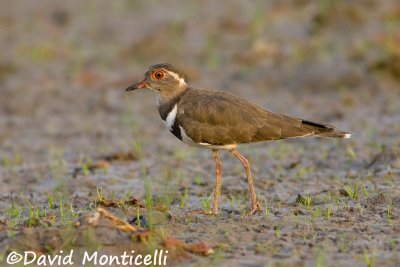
(72,140)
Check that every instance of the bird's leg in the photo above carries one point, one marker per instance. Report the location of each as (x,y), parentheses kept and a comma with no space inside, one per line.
(217,191)
(255,206)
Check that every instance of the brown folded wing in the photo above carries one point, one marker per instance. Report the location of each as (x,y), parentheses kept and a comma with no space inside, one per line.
(220,118)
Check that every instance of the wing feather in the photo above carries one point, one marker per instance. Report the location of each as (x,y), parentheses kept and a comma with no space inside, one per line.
(221,118)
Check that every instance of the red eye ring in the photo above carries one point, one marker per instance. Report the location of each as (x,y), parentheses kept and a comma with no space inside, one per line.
(158,75)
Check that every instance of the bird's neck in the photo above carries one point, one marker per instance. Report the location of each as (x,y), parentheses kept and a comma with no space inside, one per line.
(166,102)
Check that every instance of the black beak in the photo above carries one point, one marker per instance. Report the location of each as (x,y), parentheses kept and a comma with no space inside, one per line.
(138,85)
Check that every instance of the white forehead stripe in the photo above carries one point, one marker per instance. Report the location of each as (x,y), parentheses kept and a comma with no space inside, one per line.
(170,120)
(177,77)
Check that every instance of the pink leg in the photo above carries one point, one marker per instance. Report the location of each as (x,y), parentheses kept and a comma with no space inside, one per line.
(217,191)
(255,206)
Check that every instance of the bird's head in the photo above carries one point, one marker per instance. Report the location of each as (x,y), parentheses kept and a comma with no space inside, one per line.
(163,78)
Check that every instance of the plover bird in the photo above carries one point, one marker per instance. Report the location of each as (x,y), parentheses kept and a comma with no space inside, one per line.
(219,120)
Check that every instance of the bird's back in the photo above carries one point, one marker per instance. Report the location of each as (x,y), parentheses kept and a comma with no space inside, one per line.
(220,118)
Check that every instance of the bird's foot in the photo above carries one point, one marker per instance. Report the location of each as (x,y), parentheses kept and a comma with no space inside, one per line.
(255,207)
(212,212)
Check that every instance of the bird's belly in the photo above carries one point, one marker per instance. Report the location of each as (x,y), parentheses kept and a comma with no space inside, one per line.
(187,140)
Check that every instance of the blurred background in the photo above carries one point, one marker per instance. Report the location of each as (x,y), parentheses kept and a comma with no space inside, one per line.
(64,67)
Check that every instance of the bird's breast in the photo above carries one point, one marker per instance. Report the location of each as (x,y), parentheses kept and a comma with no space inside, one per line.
(168,115)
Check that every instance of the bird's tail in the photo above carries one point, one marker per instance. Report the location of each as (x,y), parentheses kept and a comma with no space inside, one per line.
(323,130)
(335,134)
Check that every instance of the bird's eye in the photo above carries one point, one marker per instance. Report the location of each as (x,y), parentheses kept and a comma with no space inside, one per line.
(158,74)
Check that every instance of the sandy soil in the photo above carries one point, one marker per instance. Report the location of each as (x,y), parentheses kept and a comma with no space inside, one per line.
(71,139)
